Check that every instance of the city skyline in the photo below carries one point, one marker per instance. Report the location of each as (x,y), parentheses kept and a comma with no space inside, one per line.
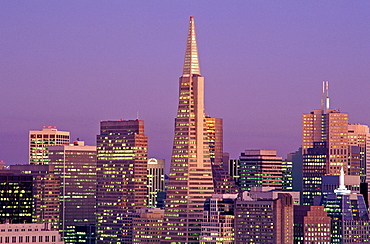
(264,65)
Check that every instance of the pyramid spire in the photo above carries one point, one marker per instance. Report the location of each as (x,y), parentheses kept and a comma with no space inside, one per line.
(191,63)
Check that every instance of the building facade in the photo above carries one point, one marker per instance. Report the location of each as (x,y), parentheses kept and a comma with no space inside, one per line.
(262,221)
(218,220)
(311,225)
(29,233)
(155,180)
(147,226)
(40,140)
(75,164)
(324,145)
(45,191)
(259,168)
(122,151)
(190,180)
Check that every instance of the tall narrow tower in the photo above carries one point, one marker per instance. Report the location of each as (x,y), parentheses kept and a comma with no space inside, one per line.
(190,180)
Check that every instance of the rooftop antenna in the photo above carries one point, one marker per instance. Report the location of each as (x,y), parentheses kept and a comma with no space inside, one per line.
(137,115)
(325,97)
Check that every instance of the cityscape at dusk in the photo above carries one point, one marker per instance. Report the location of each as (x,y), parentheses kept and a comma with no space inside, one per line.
(71,64)
(269,141)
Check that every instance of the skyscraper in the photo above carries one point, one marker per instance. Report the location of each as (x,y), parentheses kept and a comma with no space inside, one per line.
(350,219)
(155,180)
(122,149)
(264,220)
(46,191)
(324,145)
(75,164)
(358,135)
(190,180)
(40,140)
(222,181)
(260,168)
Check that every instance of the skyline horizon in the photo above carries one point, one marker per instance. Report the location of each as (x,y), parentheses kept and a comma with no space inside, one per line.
(263,69)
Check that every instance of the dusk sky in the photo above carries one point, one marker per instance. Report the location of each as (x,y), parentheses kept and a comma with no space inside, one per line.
(71,64)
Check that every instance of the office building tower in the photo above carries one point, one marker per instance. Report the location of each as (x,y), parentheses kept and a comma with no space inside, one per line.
(122,149)
(222,182)
(40,140)
(350,221)
(264,221)
(190,179)
(45,191)
(324,145)
(155,180)
(260,168)
(75,164)
(314,168)
(287,174)
(29,233)
(215,139)
(16,201)
(147,226)
(233,170)
(218,220)
(358,135)
(311,225)
(297,168)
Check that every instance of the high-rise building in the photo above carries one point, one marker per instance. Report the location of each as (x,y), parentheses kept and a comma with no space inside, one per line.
(324,145)
(358,135)
(215,139)
(40,140)
(155,180)
(260,168)
(190,180)
(45,191)
(222,181)
(218,220)
(16,201)
(287,174)
(311,225)
(264,220)
(122,149)
(75,164)
(147,226)
(350,222)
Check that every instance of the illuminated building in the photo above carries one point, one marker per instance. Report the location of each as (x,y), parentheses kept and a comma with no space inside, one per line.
(218,220)
(311,225)
(358,135)
(350,221)
(122,149)
(260,168)
(45,191)
(222,181)
(16,201)
(287,177)
(75,164)
(155,180)
(264,220)
(147,226)
(324,145)
(29,233)
(40,140)
(215,139)
(314,168)
(190,180)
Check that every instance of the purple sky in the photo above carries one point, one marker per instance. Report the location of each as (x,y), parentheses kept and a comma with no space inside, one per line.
(71,64)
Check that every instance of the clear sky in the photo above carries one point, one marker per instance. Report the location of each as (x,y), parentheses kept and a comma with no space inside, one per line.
(71,64)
